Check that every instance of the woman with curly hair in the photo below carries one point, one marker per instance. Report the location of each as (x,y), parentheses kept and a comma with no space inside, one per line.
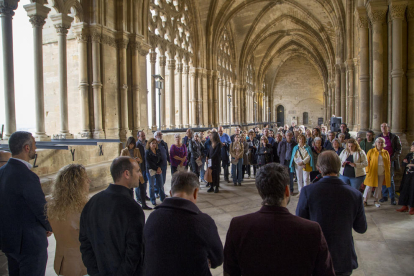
(69,196)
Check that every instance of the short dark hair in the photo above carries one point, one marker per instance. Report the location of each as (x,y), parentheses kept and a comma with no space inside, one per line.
(131,140)
(139,132)
(18,140)
(185,182)
(370,131)
(328,162)
(119,166)
(215,137)
(344,124)
(271,181)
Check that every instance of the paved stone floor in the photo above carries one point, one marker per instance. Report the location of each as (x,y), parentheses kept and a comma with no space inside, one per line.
(387,248)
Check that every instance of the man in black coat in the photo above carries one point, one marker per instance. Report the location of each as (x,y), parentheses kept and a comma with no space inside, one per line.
(141,191)
(338,208)
(180,239)
(393,146)
(112,225)
(186,141)
(284,152)
(272,241)
(23,225)
(328,142)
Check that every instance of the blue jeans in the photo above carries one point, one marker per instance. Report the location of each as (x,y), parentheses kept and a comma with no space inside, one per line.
(391,190)
(159,183)
(164,177)
(203,171)
(354,182)
(236,171)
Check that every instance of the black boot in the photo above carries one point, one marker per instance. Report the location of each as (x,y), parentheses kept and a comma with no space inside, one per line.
(216,190)
(211,189)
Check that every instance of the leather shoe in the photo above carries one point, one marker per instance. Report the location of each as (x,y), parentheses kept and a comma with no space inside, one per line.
(393,202)
(382,200)
(210,190)
(403,209)
(411,211)
(216,190)
(146,208)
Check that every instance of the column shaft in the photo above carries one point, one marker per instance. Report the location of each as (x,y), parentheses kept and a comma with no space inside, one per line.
(343,102)
(337,97)
(194,121)
(153,61)
(171,92)
(180,95)
(63,82)
(163,62)
(220,83)
(97,86)
(350,94)
(135,47)
(84,85)
(123,81)
(201,118)
(410,71)
(186,111)
(8,71)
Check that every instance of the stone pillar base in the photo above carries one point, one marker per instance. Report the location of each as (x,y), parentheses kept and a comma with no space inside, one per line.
(41,137)
(98,134)
(63,136)
(84,135)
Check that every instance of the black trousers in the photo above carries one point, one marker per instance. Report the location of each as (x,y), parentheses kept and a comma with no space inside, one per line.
(226,172)
(33,265)
(216,177)
(194,167)
(141,192)
(286,164)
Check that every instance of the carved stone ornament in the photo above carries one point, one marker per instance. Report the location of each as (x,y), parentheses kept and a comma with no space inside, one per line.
(81,38)
(163,61)
(122,43)
(62,29)
(96,37)
(398,11)
(377,14)
(153,57)
(110,41)
(37,20)
(171,64)
(362,17)
(410,13)
(7,7)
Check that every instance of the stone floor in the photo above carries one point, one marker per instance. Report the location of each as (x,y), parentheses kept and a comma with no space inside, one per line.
(387,248)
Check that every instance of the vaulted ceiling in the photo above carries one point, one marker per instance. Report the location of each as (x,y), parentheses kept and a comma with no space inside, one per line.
(270,32)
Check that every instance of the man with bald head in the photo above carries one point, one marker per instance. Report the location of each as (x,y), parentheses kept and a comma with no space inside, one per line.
(4,157)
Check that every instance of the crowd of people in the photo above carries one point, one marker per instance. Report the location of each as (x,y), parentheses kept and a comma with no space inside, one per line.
(108,234)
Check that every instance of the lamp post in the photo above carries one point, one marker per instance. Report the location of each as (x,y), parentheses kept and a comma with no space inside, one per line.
(159,84)
(229,97)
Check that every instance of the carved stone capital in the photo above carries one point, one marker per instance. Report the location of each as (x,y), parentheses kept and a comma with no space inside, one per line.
(62,22)
(62,29)
(37,20)
(82,38)
(163,61)
(377,12)
(179,67)
(109,40)
(122,43)
(96,37)
(171,64)
(153,57)
(397,10)
(410,12)
(186,69)
(7,7)
(362,17)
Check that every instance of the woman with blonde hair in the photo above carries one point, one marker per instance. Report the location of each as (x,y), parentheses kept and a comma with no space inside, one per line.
(353,163)
(69,195)
(153,160)
(302,162)
(378,171)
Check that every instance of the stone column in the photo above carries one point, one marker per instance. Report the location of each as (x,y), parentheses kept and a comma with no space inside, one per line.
(135,47)
(337,97)
(397,9)
(350,93)
(225,102)
(163,63)
(171,90)
(97,85)
(7,8)
(186,109)
(143,88)
(153,61)
(202,121)
(329,100)
(210,93)
(220,83)
(193,98)
(38,13)
(410,62)
(180,94)
(376,13)
(122,43)
(343,103)
(364,105)
(215,100)
(83,40)
(62,24)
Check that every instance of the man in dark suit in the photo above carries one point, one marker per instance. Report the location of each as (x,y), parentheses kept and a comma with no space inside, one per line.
(272,241)
(24,228)
(4,158)
(190,243)
(338,208)
(112,225)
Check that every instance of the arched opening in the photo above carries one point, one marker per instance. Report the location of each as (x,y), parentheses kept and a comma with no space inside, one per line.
(305,118)
(280,111)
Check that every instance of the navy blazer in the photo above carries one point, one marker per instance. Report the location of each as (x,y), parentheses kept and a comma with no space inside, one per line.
(338,208)
(23,224)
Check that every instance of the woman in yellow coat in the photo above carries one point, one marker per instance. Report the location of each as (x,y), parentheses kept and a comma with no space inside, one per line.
(378,171)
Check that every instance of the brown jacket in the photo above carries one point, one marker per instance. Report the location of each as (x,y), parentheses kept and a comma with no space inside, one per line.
(68,258)
(137,154)
(233,152)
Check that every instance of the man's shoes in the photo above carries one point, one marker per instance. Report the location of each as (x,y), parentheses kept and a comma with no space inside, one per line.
(207,185)
(411,211)
(146,207)
(382,200)
(216,190)
(393,202)
(210,190)
(377,204)
(403,209)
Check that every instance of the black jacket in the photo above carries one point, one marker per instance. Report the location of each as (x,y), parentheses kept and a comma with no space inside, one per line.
(281,150)
(180,240)
(111,233)
(192,149)
(262,157)
(165,145)
(23,223)
(275,155)
(253,150)
(153,160)
(215,155)
(338,208)
(396,147)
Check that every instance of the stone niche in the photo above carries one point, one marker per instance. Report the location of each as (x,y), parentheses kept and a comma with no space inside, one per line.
(299,88)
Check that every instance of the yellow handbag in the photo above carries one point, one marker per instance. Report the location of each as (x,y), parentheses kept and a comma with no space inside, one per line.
(307,167)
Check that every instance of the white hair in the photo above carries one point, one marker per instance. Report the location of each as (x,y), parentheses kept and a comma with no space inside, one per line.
(157,133)
(177,135)
(317,139)
(379,139)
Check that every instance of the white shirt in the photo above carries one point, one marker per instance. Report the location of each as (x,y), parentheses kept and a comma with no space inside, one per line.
(28,165)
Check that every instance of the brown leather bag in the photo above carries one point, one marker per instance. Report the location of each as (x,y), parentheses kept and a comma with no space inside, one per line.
(208,176)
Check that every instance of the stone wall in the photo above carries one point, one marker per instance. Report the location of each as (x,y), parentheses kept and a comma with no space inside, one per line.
(298,87)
